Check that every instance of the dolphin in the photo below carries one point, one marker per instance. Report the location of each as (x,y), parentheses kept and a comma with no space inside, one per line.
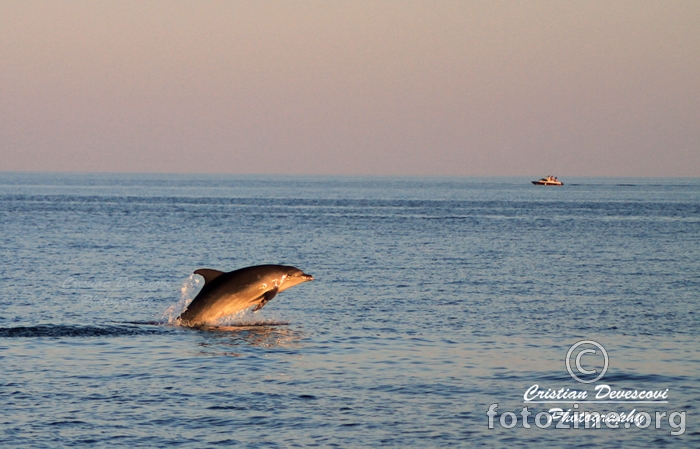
(227,293)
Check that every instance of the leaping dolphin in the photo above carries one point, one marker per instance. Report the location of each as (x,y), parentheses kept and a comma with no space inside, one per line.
(227,293)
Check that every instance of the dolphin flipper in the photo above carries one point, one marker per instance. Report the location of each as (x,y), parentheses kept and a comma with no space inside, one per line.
(266,297)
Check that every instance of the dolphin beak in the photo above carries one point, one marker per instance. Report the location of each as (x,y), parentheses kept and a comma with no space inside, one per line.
(307,277)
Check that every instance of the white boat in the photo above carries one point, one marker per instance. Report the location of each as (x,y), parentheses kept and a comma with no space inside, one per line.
(548,181)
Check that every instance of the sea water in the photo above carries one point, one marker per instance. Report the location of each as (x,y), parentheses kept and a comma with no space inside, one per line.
(435,300)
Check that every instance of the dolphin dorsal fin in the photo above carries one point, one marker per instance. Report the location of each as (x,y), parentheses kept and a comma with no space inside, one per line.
(208,274)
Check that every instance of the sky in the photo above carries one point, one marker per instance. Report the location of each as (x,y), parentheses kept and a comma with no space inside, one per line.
(399,88)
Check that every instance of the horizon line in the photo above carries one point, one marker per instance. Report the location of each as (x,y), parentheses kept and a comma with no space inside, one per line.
(61,172)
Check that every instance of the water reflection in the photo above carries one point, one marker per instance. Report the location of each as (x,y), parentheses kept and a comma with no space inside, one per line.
(229,340)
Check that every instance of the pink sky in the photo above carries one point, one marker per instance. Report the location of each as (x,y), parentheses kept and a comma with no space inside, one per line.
(453,88)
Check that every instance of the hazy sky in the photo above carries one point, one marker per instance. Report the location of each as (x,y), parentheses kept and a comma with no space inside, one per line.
(594,88)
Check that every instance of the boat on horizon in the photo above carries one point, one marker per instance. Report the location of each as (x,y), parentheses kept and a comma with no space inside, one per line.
(548,181)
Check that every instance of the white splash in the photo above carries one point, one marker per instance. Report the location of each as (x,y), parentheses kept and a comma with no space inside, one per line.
(188,291)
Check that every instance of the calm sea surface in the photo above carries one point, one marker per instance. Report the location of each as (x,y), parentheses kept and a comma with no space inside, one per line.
(433,299)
